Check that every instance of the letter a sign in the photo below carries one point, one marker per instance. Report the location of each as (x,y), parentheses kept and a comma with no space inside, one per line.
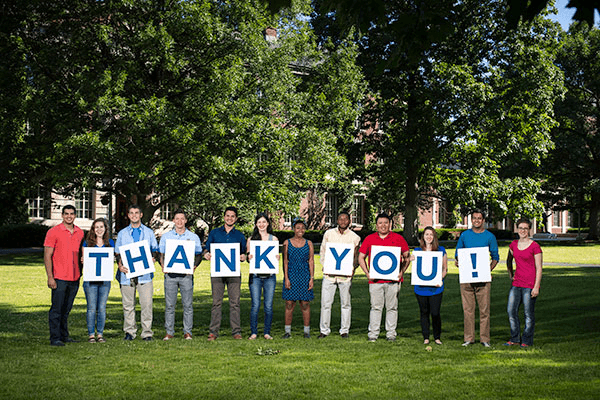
(179,256)
(225,260)
(427,268)
(339,259)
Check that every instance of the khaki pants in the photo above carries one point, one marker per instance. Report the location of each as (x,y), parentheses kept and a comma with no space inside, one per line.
(472,293)
(128,297)
(383,294)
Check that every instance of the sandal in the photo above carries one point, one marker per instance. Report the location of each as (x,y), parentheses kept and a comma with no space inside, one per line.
(268,337)
(101,339)
(438,341)
(252,337)
(91,339)
(426,341)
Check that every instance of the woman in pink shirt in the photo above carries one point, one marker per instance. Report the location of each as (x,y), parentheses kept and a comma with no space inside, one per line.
(525,284)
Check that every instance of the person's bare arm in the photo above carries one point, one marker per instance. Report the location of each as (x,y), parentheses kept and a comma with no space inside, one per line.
(48,252)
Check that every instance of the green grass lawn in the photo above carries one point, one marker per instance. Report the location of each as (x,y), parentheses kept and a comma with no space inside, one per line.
(564,363)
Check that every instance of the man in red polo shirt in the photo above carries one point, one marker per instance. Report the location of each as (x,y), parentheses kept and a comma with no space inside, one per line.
(383,291)
(61,258)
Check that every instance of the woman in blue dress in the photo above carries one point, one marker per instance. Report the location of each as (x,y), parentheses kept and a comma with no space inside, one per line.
(298,274)
(430,297)
(96,293)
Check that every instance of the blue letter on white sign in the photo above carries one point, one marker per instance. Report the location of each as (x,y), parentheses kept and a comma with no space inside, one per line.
(133,260)
(230,262)
(339,258)
(376,262)
(98,257)
(179,257)
(263,257)
(420,269)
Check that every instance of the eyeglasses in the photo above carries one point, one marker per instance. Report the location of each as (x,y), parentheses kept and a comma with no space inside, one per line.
(523,229)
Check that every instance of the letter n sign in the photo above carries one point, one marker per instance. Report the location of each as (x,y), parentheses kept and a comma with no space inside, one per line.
(264,256)
(225,260)
(474,265)
(179,256)
(98,263)
(136,257)
(385,262)
(339,259)
(427,268)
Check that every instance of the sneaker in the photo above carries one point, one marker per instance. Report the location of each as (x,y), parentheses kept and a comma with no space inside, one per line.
(69,340)
(286,335)
(147,339)
(372,340)
(524,346)
(187,336)
(391,339)
(467,343)
(128,336)
(344,336)
(486,344)
(211,337)
(306,335)
(56,343)
(237,336)
(509,343)
(168,337)
(321,336)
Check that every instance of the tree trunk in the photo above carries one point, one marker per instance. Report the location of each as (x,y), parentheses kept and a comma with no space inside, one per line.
(411,215)
(595,217)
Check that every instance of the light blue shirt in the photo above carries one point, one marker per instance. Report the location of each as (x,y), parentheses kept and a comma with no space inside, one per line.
(125,237)
(187,235)
(470,239)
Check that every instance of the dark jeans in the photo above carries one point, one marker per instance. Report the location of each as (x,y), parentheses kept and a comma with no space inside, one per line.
(430,305)
(62,302)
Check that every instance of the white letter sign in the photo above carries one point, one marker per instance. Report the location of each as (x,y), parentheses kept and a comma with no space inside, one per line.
(427,268)
(474,265)
(136,257)
(264,256)
(385,262)
(225,260)
(339,259)
(179,256)
(98,263)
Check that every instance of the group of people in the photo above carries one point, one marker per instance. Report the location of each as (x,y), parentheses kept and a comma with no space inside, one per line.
(62,262)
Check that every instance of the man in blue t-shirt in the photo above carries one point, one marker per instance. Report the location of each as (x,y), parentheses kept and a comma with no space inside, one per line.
(477,293)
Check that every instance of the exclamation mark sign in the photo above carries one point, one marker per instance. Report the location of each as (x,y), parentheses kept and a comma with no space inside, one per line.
(474,264)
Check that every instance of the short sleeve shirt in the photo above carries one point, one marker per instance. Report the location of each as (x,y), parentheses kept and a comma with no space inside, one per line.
(65,258)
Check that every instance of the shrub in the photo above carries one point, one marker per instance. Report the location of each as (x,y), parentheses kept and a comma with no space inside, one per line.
(22,235)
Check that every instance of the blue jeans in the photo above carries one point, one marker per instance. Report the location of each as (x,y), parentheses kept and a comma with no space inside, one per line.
(267,285)
(516,296)
(96,294)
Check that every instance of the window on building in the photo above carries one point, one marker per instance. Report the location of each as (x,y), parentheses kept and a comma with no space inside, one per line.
(84,201)
(357,210)
(331,208)
(38,203)
(556,218)
(441,217)
(167,211)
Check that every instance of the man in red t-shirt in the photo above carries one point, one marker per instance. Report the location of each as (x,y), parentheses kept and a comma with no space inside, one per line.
(61,258)
(383,292)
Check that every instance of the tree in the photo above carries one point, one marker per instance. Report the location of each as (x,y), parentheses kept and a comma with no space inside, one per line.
(461,111)
(573,168)
(158,101)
